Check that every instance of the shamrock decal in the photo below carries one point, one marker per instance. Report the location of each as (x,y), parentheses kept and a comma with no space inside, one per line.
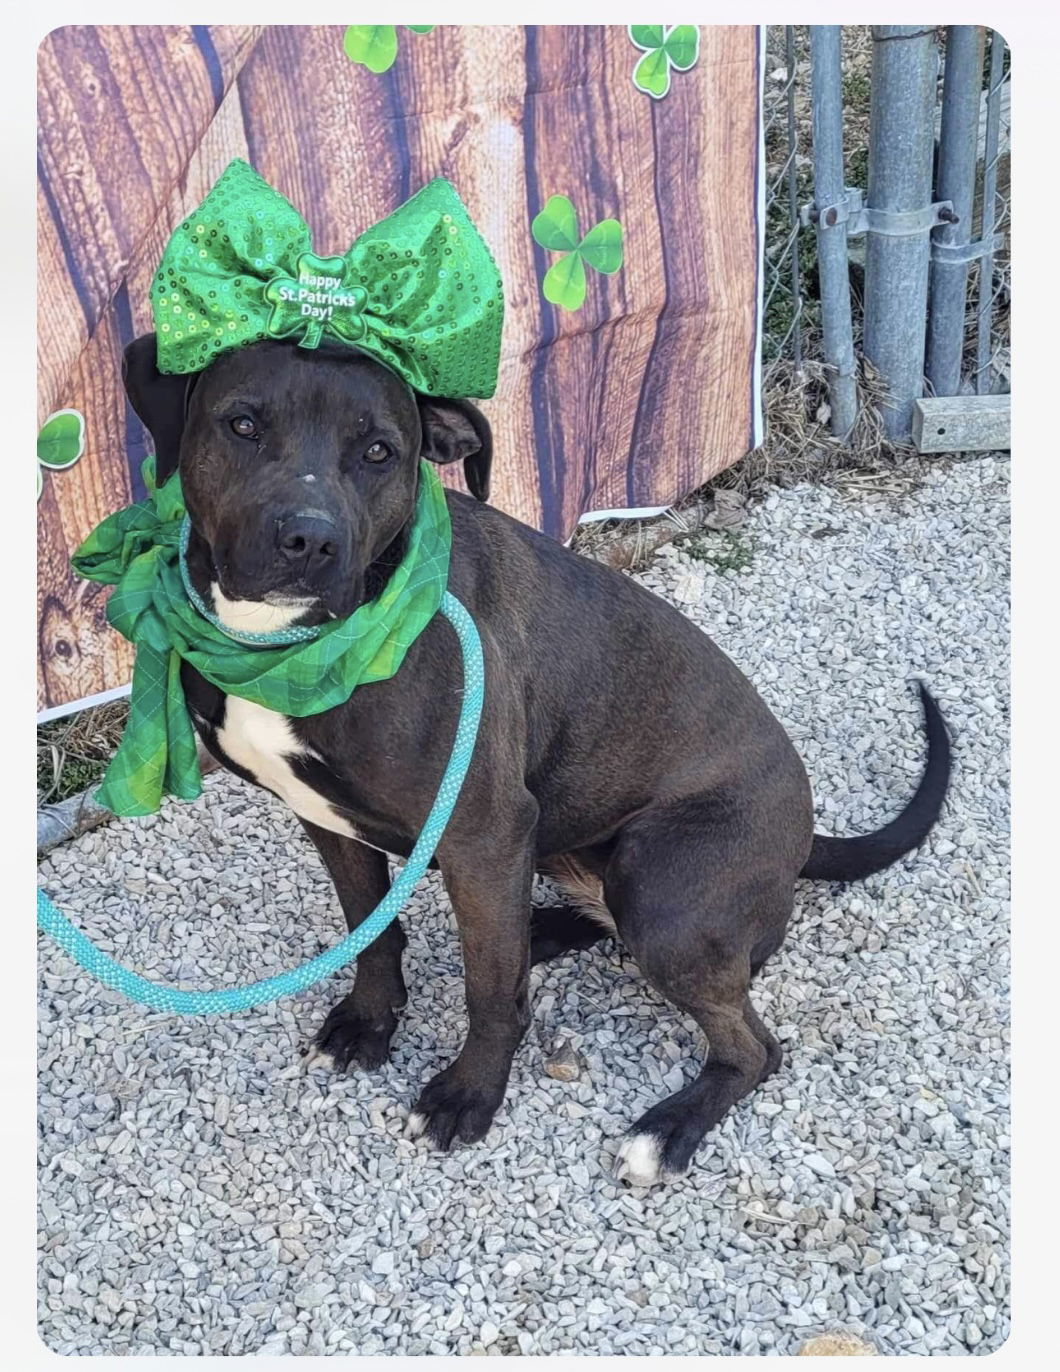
(677,47)
(316,301)
(375,46)
(60,443)
(556,228)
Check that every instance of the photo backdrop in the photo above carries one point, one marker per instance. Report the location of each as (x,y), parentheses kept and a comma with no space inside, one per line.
(613,171)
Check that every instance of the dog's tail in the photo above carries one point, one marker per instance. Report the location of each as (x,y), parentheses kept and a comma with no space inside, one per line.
(849,859)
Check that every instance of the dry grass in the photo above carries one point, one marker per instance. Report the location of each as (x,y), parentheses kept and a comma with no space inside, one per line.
(73,752)
(800,446)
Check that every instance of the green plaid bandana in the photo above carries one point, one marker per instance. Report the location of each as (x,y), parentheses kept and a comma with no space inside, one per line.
(137,551)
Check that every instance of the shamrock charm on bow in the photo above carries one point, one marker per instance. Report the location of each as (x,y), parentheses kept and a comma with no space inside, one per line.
(311,302)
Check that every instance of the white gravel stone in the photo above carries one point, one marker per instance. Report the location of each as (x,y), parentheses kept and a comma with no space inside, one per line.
(201,1193)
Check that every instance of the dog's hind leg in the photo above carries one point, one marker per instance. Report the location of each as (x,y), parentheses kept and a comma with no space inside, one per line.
(360,1027)
(690,908)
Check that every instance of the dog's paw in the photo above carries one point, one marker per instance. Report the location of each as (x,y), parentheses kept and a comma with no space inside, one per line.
(346,1037)
(449,1110)
(660,1145)
(639,1161)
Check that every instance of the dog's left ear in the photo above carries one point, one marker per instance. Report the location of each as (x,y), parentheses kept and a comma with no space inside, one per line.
(161,402)
(455,431)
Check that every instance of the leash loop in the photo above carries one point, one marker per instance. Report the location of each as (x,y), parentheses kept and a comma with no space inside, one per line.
(235,999)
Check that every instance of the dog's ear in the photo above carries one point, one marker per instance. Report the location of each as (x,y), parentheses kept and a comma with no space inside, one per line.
(456,431)
(160,401)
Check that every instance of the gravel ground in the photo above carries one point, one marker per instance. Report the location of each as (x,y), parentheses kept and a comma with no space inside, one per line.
(202,1193)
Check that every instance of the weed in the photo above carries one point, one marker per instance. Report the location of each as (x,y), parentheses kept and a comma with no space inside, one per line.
(724,551)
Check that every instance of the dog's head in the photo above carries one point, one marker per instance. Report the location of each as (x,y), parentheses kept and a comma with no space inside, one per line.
(299,468)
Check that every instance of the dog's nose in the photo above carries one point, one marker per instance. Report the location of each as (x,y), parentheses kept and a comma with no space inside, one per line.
(308,542)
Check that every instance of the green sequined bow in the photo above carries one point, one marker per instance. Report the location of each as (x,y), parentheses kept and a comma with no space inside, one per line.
(419,290)
(137,551)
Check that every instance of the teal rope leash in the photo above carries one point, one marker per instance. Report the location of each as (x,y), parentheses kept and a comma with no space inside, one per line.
(229,1002)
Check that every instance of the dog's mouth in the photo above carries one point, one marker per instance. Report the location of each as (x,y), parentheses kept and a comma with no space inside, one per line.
(309,608)
(250,611)
(295,604)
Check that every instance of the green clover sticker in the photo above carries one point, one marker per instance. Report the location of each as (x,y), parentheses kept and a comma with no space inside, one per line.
(556,228)
(320,299)
(375,46)
(60,443)
(676,47)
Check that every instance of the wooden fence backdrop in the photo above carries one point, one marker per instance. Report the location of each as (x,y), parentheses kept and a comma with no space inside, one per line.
(628,401)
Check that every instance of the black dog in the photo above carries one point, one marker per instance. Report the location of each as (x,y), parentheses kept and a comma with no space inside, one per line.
(620,752)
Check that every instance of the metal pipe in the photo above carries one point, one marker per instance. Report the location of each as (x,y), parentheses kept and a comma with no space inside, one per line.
(901,143)
(958,147)
(828,189)
(793,200)
(983,381)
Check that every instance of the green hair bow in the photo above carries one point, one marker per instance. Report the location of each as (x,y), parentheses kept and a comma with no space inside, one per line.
(419,290)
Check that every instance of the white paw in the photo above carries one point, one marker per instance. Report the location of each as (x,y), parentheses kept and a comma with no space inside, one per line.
(415,1125)
(319,1057)
(639,1161)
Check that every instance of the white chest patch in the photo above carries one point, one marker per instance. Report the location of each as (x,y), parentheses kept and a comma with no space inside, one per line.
(261,741)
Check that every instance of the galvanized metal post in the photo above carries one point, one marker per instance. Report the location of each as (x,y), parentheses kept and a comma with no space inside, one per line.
(901,140)
(828,188)
(958,145)
(983,380)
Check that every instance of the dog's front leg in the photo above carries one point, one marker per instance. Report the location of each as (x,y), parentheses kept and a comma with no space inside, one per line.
(490,890)
(360,1027)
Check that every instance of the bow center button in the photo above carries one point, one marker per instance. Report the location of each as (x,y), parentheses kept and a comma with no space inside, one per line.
(318,300)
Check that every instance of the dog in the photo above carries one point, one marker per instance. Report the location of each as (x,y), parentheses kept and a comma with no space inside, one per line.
(621,753)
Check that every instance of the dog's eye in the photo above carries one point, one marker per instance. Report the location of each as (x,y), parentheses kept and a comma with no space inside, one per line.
(378,452)
(244,426)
